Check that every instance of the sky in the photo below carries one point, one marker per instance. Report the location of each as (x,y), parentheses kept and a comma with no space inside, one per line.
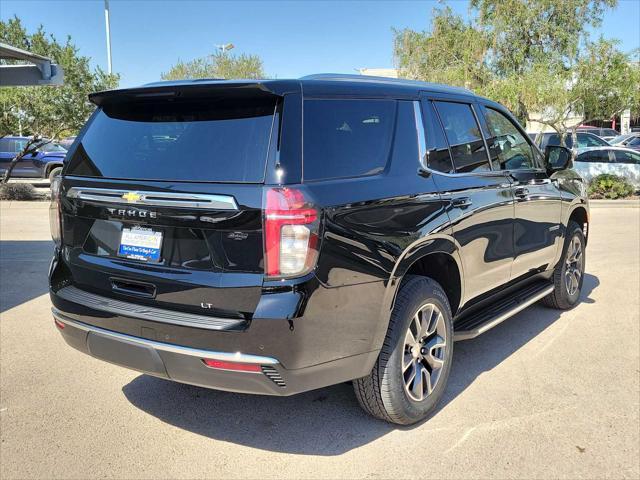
(293,38)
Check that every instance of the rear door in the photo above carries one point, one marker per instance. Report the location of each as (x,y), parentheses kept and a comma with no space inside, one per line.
(162,201)
(480,199)
(538,201)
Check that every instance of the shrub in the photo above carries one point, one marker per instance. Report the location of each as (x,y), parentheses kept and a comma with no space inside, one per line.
(18,191)
(610,187)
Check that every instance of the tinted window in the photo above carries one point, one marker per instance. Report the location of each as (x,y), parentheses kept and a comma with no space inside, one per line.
(588,140)
(347,138)
(7,145)
(52,147)
(627,157)
(463,135)
(634,141)
(554,139)
(508,147)
(608,132)
(197,140)
(438,157)
(595,156)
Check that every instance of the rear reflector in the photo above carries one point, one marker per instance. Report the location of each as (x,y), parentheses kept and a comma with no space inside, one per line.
(238,367)
(58,323)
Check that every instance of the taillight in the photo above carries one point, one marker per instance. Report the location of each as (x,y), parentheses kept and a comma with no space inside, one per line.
(290,233)
(54,211)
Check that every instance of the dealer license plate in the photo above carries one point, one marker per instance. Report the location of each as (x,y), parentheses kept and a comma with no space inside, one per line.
(140,244)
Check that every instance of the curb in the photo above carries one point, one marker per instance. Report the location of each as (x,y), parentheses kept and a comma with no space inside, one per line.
(615,203)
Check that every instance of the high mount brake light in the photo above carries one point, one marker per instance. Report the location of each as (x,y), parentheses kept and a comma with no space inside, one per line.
(290,232)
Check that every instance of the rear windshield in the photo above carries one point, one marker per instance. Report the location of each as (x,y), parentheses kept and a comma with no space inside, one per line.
(203,140)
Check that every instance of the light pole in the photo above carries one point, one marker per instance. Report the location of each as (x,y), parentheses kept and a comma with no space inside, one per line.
(107,24)
(225,47)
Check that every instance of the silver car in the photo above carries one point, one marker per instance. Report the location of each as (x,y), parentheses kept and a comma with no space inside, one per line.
(620,161)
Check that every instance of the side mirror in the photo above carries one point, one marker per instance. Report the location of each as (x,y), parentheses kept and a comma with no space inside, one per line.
(557,158)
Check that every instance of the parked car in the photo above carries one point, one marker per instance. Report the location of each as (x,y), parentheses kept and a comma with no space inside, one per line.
(46,162)
(584,140)
(67,141)
(604,133)
(278,236)
(620,161)
(630,140)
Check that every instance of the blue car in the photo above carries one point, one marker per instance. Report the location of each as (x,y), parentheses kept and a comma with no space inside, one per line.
(46,162)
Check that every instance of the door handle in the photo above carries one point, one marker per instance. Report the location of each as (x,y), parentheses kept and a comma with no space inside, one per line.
(462,202)
(540,181)
(521,192)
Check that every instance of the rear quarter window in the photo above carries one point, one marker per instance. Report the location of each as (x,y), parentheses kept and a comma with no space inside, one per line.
(346,138)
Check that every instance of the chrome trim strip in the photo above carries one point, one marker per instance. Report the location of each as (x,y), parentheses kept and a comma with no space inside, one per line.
(166,347)
(422,143)
(469,334)
(143,312)
(155,199)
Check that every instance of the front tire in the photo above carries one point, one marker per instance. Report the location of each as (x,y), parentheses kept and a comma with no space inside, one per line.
(568,275)
(412,370)
(54,173)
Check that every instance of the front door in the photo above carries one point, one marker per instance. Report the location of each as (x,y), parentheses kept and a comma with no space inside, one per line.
(537,211)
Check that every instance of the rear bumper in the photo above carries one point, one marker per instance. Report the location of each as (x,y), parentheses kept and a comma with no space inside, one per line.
(185,364)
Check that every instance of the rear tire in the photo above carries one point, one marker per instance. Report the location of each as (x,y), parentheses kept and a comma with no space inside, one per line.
(412,370)
(568,275)
(54,173)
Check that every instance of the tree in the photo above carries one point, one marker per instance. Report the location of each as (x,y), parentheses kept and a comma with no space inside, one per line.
(534,56)
(47,112)
(218,65)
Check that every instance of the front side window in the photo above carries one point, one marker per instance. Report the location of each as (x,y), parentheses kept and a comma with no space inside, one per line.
(623,156)
(346,138)
(509,148)
(464,137)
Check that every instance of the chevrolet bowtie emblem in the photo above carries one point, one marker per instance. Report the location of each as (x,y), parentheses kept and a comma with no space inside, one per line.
(131,197)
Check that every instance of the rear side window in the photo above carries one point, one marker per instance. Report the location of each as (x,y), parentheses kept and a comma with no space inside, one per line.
(509,148)
(554,139)
(595,156)
(438,157)
(588,140)
(191,140)
(7,145)
(346,138)
(464,137)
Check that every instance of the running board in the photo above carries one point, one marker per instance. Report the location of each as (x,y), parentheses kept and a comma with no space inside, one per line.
(484,320)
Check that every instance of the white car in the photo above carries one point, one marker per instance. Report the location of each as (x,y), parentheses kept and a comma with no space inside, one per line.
(623,162)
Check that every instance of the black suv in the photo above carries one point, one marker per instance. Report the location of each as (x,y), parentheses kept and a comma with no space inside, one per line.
(278,236)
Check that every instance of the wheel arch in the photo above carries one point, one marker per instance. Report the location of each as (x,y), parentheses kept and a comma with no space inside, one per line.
(50,166)
(580,215)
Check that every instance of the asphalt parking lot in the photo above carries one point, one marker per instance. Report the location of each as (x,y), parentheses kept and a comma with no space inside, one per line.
(543,395)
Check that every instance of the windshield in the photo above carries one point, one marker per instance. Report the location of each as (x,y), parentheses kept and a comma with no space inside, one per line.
(189,140)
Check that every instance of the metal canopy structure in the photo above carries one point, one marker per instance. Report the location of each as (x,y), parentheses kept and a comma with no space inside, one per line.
(42,70)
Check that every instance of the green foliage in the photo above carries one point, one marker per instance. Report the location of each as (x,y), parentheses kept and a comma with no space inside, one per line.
(610,187)
(18,191)
(533,56)
(49,111)
(219,65)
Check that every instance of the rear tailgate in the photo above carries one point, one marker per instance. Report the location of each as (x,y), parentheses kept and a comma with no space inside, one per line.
(162,202)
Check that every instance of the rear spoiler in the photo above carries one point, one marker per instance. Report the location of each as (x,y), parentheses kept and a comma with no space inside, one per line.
(198,88)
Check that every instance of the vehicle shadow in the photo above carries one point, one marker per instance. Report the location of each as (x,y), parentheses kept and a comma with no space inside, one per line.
(327,421)
(23,271)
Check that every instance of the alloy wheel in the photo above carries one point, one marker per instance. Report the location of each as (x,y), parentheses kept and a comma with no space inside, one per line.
(574,266)
(424,352)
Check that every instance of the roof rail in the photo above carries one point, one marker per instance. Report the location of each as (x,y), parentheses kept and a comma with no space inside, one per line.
(369,78)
